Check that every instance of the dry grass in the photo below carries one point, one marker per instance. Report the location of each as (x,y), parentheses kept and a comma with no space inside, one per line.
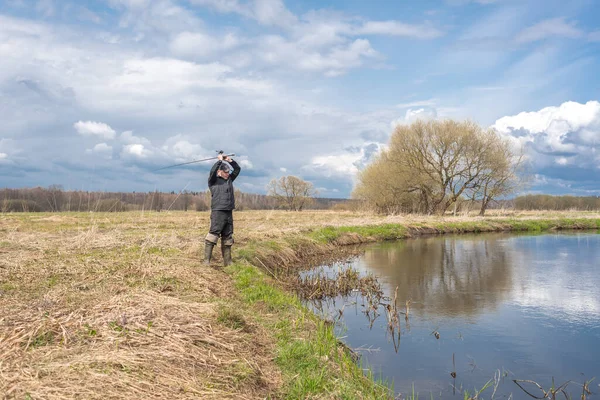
(117,306)
(99,305)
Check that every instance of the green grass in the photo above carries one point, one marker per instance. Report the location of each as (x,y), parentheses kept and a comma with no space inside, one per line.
(400,231)
(311,366)
(376,232)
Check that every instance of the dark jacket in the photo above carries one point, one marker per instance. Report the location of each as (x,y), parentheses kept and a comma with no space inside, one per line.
(221,190)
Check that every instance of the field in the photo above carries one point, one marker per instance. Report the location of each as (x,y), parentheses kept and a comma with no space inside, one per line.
(119,305)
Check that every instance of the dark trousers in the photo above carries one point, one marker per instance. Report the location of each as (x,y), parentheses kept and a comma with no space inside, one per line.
(221,225)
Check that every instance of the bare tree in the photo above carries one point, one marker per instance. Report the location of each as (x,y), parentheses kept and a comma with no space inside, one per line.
(292,192)
(502,174)
(437,164)
(55,197)
(186,199)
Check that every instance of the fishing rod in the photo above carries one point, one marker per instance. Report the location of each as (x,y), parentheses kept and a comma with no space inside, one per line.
(196,161)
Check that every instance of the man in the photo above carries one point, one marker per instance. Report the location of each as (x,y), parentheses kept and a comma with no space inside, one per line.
(220,183)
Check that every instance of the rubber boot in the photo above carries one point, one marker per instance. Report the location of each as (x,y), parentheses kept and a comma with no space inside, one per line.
(226,252)
(208,249)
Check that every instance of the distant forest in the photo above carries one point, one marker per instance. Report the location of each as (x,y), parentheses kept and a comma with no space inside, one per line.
(56,199)
(547,202)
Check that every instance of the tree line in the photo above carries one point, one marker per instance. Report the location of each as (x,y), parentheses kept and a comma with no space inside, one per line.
(558,203)
(55,199)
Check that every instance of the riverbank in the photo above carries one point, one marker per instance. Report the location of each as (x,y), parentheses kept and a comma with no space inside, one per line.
(119,305)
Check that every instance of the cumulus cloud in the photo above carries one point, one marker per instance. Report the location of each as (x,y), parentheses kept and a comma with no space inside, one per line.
(344,164)
(91,128)
(556,129)
(136,150)
(562,141)
(102,148)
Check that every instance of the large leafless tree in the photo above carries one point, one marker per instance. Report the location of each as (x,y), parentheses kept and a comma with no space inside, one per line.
(430,166)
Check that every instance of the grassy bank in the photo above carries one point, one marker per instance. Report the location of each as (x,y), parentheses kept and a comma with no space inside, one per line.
(102,305)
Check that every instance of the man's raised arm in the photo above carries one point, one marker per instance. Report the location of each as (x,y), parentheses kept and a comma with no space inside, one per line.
(236,169)
(212,176)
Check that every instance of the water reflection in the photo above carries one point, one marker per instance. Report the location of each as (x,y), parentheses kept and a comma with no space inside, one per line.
(526,306)
(456,276)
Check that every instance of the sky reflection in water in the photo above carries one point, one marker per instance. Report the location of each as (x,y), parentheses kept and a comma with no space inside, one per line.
(528,306)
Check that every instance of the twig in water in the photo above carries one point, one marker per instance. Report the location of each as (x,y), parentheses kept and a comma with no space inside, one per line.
(453,373)
(550,394)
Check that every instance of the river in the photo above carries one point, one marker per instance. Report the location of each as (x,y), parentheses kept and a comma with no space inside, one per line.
(482,307)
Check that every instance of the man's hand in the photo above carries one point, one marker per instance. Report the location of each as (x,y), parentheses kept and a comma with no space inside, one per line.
(220,157)
(227,158)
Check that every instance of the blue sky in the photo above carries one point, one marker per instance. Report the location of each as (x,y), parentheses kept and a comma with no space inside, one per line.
(96,94)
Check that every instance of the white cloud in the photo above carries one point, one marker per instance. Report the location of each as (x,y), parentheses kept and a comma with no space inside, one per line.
(273,12)
(277,50)
(163,77)
(396,28)
(562,161)
(420,103)
(594,36)
(556,121)
(155,16)
(102,148)
(345,164)
(198,45)
(413,114)
(282,169)
(245,163)
(136,150)
(265,12)
(91,128)
(3,156)
(555,27)
(332,165)
(321,41)
(565,135)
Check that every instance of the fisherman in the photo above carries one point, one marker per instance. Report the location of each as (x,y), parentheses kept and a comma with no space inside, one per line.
(220,183)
